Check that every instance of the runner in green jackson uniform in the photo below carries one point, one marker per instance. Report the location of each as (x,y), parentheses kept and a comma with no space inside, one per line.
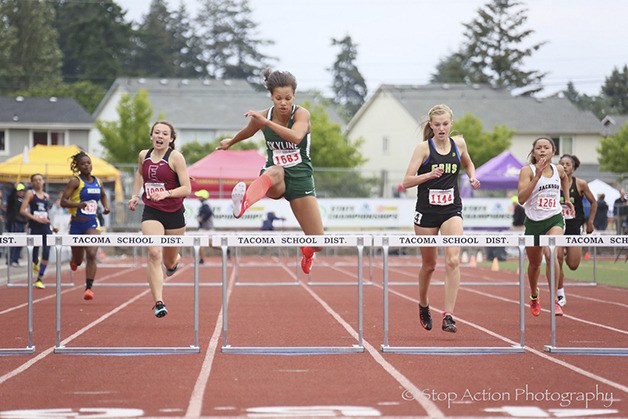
(288,170)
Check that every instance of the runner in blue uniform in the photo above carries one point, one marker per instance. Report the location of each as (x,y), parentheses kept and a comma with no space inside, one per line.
(434,169)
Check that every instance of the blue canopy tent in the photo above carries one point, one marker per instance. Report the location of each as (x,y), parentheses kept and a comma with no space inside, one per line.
(499,173)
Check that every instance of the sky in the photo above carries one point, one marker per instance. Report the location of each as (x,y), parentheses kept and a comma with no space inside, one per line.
(402,41)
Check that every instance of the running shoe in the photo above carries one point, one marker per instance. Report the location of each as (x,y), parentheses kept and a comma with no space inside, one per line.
(73,265)
(170,272)
(88,294)
(425,317)
(449,325)
(535,304)
(39,284)
(558,310)
(562,300)
(237,199)
(36,267)
(307,260)
(160,309)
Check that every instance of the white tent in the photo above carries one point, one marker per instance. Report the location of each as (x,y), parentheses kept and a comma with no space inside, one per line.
(611,194)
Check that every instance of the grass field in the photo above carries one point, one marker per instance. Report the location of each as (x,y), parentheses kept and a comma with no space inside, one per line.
(607,272)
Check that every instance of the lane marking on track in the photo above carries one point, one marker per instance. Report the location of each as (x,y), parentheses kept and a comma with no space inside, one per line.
(410,389)
(76,334)
(195,405)
(571,367)
(566,316)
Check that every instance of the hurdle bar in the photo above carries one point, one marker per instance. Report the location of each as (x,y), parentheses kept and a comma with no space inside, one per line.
(565,241)
(166,284)
(236,264)
(458,241)
(224,241)
(21,240)
(113,240)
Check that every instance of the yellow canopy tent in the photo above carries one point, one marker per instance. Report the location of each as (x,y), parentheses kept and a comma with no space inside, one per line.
(53,162)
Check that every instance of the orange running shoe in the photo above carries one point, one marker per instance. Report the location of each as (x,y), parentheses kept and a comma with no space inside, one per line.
(558,310)
(88,294)
(535,305)
(307,260)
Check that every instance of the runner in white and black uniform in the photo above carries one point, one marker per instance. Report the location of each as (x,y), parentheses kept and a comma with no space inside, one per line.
(434,169)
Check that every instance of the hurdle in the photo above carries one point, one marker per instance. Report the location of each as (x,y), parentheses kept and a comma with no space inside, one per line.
(21,240)
(237,264)
(564,241)
(112,240)
(448,241)
(225,241)
(166,284)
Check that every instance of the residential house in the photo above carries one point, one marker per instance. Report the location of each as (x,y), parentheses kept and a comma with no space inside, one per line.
(201,110)
(390,123)
(28,121)
(613,123)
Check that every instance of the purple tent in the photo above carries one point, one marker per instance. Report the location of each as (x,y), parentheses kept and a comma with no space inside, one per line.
(501,173)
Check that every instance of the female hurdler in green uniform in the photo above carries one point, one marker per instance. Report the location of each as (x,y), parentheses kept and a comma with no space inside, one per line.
(288,171)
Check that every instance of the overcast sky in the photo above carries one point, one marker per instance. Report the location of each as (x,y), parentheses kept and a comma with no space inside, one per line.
(402,41)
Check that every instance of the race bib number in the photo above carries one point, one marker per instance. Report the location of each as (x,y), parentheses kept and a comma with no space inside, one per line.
(286,158)
(40,214)
(151,188)
(91,208)
(441,196)
(547,203)
(567,213)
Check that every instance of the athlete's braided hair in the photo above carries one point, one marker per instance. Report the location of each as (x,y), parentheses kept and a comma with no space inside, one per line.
(76,159)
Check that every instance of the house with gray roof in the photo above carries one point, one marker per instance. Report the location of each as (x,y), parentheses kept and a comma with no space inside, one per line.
(201,110)
(28,121)
(391,123)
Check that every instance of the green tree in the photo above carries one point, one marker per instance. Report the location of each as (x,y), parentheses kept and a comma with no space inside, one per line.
(95,40)
(335,158)
(493,53)
(30,56)
(613,151)
(615,90)
(124,139)
(450,69)
(349,86)
(232,49)
(482,145)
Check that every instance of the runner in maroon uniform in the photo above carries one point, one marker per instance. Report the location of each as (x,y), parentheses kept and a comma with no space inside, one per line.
(163,174)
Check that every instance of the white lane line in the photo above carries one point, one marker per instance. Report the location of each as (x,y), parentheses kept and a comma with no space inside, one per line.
(409,387)
(567,316)
(195,405)
(527,348)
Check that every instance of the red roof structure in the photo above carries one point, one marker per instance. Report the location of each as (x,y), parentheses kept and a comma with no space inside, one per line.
(221,170)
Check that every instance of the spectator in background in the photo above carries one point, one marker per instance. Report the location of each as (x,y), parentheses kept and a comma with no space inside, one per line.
(620,211)
(267,224)
(16,223)
(600,222)
(205,219)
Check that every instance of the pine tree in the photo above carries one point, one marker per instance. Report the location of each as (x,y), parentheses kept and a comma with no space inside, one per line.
(349,86)
(95,40)
(231,48)
(615,90)
(29,51)
(493,52)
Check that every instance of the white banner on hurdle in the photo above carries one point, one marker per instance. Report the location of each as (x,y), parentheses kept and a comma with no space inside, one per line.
(28,241)
(283,240)
(566,241)
(115,240)
(385,242)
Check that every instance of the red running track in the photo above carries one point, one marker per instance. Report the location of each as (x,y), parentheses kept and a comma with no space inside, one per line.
(212,383)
